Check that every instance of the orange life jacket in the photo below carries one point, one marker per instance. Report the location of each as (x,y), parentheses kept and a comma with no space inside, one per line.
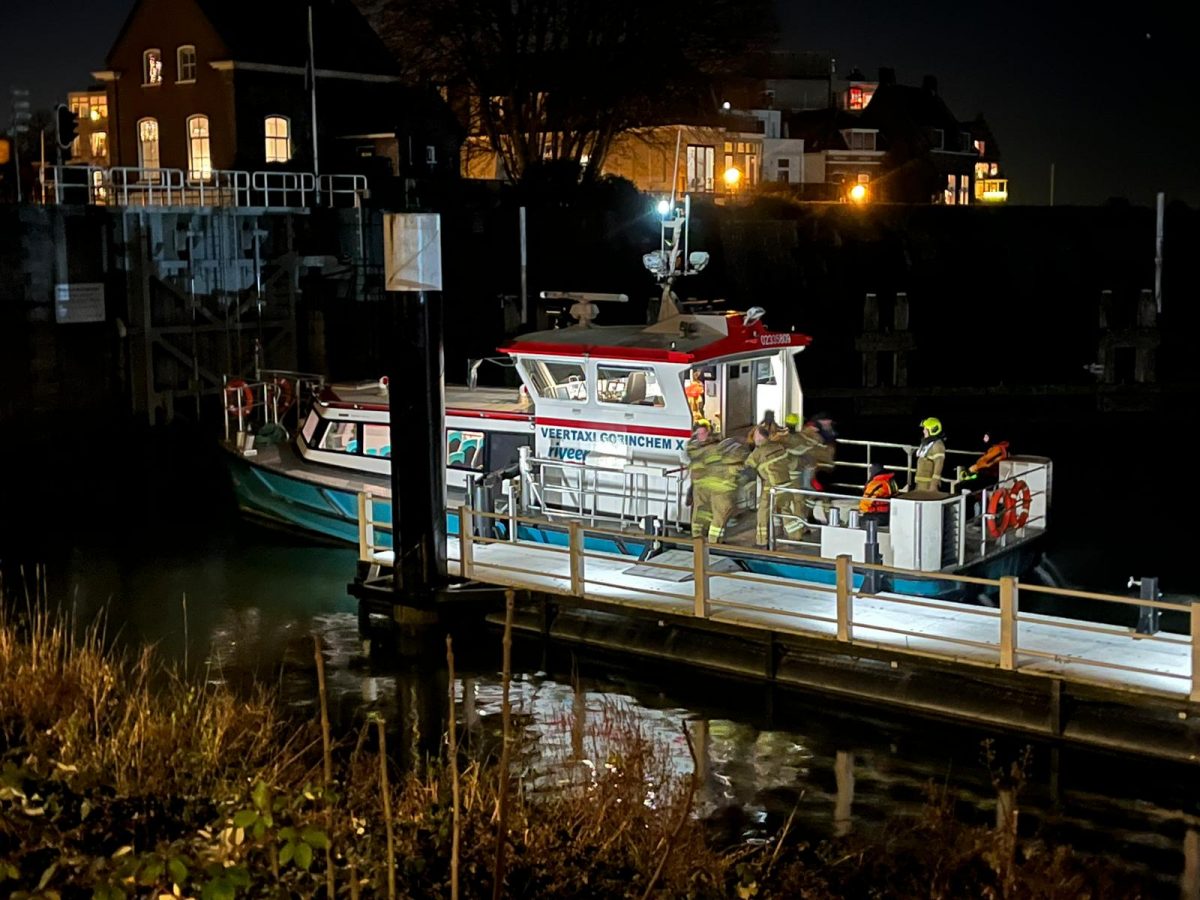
(993,456)
(876,494)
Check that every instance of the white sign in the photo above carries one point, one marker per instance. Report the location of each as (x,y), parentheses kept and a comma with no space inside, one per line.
(412,251)
(75,303)
(578,444)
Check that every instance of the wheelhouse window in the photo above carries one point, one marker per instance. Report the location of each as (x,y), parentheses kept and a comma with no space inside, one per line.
(152,67)
(465,449)
(148,143)
(310,427)
(340,437)
(185,63)
(199,149)
(628,385)
(558,380)
(278,132)
(377,440)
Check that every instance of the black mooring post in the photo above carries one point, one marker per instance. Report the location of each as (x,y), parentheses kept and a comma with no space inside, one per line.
(1148,616)
(416,398)
(871,555)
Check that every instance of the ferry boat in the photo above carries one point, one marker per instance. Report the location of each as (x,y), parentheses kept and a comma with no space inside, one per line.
(596,432)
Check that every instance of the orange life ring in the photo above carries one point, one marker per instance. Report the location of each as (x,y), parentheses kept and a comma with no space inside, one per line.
(1020,502)
(285,392)
(237,391)
(997,521)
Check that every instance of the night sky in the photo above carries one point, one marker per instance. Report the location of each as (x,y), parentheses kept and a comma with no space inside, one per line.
(1110,99)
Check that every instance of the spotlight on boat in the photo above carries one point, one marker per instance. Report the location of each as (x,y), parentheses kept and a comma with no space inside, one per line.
(664,207)
(697,259)
(655,262)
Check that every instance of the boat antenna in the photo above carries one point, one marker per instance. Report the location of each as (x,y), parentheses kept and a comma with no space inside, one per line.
(673,259)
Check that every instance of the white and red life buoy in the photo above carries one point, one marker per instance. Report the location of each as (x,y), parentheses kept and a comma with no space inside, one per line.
(238,396)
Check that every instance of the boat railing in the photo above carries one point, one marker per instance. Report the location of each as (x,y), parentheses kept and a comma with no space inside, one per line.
(842,605)
(628,493)
(276,397)
(897,458)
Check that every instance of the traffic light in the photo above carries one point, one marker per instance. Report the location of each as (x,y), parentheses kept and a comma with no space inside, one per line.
(67,124)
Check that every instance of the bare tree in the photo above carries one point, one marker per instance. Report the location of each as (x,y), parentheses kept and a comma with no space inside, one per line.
(560,79)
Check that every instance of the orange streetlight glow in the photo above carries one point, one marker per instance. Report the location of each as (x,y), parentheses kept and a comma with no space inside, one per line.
(732,176)
(858,193)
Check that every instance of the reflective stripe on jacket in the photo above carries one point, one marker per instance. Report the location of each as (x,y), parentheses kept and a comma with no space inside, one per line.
(931,456)
(770,462)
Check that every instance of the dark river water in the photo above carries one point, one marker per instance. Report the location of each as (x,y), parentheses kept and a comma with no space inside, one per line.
(167,560)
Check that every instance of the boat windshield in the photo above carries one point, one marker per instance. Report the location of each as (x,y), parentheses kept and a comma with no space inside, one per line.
(558,380)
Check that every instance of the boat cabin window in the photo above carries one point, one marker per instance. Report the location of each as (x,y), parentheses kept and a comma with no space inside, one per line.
(465,449)
(310,427)
(558,380)
(634,386)
(340,437)
(377,440)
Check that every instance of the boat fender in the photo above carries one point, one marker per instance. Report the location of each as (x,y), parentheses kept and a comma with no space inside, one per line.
(999,512)
(1020,502)
(237,391)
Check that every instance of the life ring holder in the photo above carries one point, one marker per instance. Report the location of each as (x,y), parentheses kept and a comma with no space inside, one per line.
(1020,502)
(997,520)
(236,388)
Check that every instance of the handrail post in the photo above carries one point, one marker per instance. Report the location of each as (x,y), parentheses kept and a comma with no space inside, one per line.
(466,542)
(845,594)
(700,576)
(1195,693)
(1008,622)
(575,549)
(364,553)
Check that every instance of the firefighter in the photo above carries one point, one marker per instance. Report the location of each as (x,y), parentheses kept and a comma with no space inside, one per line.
(876,493)
(986,470)
(769,461)
(694,392)
(700,452)
(720,482)
(931,456)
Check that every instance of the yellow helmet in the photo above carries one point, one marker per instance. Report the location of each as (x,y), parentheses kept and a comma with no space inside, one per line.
(701,423)
(934,426)
(791,420)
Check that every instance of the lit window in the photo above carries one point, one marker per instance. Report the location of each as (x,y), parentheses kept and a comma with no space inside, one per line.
(148,143)
(980,147)
(99,142)
(856,98)
(558,380)
(377,440)
(994,169)
(185,60)
(783,169)
(199,149)
(701,167)
(950,194)
(279,139)
(630,386)
(152,67)
(964,190)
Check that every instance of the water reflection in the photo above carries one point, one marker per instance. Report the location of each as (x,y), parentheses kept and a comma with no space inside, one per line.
(253,603)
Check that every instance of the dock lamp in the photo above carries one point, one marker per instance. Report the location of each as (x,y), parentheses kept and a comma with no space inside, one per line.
(663,207)
(858,193)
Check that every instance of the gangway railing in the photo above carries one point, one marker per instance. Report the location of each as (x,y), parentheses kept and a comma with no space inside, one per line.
(841,609)
(276,396)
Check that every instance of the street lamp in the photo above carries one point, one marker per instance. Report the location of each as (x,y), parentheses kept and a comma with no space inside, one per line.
(732,176)
(664,207)
(858,193)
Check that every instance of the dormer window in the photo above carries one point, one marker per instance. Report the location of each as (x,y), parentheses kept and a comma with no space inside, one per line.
(152,67)
(861,139)
(185,63)
(981,148)
(939,139)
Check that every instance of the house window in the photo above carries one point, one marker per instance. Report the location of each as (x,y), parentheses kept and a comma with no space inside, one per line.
(856,98)
(939,139)
(199,149)
(701,167)
(994,169)
(99,144)
(783,170)
(950,194)
(185,63)
(279,139)
(148,143)
(980,147)
(99,109)
(862,140)
(964,190)
(152,67)
(964,142)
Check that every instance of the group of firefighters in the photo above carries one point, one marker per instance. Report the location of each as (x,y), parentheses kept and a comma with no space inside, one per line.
(798,457)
